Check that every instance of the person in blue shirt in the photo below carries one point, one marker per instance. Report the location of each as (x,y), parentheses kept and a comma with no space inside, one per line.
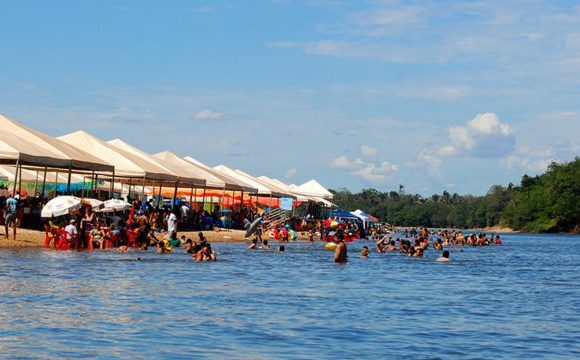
(11,216)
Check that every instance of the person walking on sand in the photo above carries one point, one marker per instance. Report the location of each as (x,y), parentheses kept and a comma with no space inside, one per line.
(10,216)
(340,254)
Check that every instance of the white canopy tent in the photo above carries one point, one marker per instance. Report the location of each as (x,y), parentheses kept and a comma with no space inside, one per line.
(174,162)
(69,157)
(126,165)
(231,183)
(313,188)
(261,188)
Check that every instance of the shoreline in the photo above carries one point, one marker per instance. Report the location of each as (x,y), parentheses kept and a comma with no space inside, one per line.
(26,238)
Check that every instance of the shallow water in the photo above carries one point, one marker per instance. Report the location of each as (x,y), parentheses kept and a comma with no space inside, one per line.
(518,300)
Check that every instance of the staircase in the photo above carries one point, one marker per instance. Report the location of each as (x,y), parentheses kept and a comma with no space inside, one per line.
(277,217)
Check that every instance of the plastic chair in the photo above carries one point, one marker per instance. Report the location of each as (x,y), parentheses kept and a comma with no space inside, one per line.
(48,236)
(62,242)
(132,238)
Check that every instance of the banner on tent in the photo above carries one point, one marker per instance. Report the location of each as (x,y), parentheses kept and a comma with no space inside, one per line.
(286,203)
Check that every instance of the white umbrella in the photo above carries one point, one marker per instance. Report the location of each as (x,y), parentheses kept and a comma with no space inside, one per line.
(60,205)
(116,205)
(95,204)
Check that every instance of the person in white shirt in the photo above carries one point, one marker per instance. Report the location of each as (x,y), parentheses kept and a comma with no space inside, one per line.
(184,213)
(71,230)
(172,225)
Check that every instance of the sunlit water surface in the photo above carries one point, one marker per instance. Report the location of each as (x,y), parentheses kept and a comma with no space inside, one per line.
(518,300)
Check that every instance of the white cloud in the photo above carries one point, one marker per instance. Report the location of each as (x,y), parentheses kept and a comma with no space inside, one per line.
(341,162)
(369,151)
(208,115)
(291,172)
(536,160)
(447,151)
(370,171)
(485,136)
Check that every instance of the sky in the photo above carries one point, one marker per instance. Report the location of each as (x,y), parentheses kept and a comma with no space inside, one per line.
(433,95)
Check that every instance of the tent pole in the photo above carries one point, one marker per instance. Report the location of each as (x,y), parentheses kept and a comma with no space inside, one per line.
(174,195)
(203,200)
(43,182)
(83,190)
(55,183)
(112,187)
(160,186)
(36,183)
(93,185)
(191,198)
(15,178)
(68,180)
(20,181)
(143,191)
(241,201)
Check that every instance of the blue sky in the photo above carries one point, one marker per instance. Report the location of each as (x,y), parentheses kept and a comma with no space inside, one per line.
(435,95)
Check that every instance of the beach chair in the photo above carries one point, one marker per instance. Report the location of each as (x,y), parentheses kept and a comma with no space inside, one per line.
(111,239)
(49,236)
(132,238)
(61,240)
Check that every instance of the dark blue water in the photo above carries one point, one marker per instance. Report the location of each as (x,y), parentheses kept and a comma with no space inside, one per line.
(518,300)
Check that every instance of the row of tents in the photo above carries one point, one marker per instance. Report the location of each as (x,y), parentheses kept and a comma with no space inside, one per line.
(29,156)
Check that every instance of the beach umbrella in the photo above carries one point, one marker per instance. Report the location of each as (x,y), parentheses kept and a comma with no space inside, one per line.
(94,203)
(60,205)
(116,205)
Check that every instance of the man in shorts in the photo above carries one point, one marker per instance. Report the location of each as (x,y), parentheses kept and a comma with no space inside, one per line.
(11,218)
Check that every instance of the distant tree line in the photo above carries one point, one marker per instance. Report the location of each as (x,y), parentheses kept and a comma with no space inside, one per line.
(549,202)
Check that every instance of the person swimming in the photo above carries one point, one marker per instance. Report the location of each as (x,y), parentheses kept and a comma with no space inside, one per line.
(253,245)
(265,244)
(188,246)
(444,257)
(418,252)
(364,252)
(281,248)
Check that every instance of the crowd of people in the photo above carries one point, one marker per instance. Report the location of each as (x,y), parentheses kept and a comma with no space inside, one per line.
(148,225)
(415,242)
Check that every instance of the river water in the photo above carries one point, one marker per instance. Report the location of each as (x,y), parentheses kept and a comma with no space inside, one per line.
(518,300)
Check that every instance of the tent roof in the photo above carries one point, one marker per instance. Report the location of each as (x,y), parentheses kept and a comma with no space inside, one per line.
(359,212)
(283,187)
(261,189)
(343,214)
(14,149)
(231,183)
(32,147)
(147,161)
(313,188)
(275,190)
(175,163)
(125,165)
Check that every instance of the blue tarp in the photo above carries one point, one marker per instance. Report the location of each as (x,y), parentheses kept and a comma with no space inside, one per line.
(343,214)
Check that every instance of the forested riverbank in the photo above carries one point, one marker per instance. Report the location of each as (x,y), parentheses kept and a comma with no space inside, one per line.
(549,202)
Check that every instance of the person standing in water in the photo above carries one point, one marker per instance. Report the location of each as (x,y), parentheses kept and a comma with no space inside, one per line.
(340,254)
(444,257)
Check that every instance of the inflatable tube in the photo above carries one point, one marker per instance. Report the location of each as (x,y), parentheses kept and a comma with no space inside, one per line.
(330,246)
(293,235)
(253,226)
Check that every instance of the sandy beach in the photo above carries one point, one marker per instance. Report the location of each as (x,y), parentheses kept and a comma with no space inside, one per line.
(33,238)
